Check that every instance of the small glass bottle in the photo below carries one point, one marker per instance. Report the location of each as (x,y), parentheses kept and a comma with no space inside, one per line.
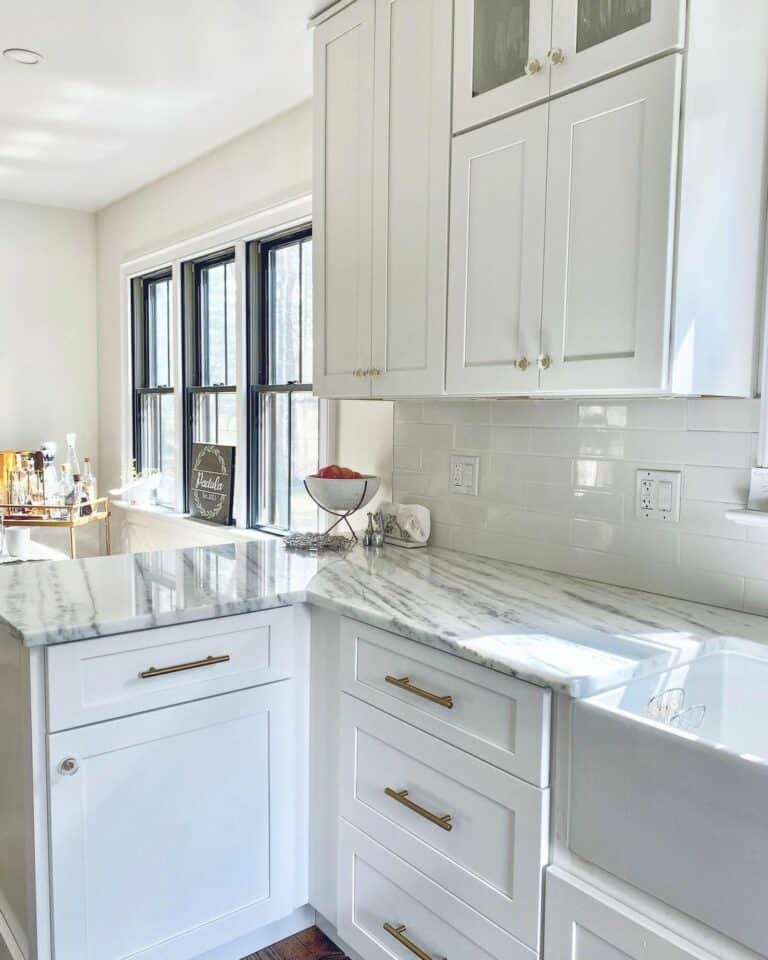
(74,463)
(89,481)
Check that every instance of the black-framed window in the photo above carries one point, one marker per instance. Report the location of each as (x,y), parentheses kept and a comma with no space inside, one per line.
(154,411)
(284,416)
(210,355)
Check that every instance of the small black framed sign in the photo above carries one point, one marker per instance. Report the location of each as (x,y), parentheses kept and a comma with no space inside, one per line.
(211,482)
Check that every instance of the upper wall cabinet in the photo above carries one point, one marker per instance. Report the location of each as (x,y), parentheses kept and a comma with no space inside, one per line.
(342,201)
(383,115)
(512,53)
(500,57)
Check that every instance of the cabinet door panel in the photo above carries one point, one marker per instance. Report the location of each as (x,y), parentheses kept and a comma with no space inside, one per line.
(173,835)
(497,248)
(583,923)
(342,200)
(610,225)
(597,37)
(412,156)
(500,58)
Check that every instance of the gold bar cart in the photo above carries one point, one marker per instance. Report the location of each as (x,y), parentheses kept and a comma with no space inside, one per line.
(52,515)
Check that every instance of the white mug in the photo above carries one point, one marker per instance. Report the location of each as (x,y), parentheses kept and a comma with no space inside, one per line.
(17,541)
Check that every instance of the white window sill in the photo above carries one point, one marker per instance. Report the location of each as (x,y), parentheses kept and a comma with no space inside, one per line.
(151,514)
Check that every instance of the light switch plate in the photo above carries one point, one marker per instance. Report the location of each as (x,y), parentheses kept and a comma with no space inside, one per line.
(464,474)
(657,495)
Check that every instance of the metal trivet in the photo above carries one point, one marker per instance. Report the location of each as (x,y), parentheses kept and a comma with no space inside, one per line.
(314,542)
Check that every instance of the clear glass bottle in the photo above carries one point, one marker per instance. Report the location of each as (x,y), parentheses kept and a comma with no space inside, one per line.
(74,463)
(89,480)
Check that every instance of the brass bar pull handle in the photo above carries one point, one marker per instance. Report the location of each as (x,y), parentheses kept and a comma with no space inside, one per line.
(405,684)
(399,934)
(401,796)
(179,667)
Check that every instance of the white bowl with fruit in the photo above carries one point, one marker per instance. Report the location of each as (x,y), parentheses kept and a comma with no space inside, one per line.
(341,490)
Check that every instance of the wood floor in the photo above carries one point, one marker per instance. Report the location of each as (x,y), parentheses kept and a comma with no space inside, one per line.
(310,944)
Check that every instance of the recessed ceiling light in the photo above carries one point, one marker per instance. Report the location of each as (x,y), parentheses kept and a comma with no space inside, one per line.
(20,55)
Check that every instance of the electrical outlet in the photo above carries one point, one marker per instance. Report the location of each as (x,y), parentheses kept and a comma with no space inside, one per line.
(464,475)
(657,495)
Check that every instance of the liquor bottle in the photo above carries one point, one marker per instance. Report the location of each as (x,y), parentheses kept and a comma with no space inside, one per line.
(89,481)
(75,496)
(74,463)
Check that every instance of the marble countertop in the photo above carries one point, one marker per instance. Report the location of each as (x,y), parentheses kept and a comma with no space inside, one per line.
(572,635)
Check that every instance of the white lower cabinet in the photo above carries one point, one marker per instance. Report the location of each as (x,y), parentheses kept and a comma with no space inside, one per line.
(583,923)
(474,829)
(389,910)
(172,832)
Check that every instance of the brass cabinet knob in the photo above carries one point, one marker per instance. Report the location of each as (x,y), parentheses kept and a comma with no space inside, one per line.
(358,373)
(373,372)
(556,57)
(68,766)
(522,363)
(533,66)
(545,361)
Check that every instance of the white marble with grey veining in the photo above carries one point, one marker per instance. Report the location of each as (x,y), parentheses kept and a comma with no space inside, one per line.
(573,635)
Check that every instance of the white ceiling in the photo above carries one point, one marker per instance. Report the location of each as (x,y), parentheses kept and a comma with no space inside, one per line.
(128,91)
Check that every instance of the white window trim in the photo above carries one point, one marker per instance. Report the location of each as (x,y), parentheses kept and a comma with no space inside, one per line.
(285,216)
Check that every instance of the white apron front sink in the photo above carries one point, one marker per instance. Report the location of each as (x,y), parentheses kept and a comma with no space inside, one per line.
(670,788)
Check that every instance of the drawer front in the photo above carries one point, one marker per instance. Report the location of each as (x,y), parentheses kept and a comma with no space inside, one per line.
(585,924)
(376,888)
(495,717)
(96,680)
(477,831)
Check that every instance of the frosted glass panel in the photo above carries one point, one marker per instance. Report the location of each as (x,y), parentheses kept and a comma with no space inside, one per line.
(500,43)
(601,20)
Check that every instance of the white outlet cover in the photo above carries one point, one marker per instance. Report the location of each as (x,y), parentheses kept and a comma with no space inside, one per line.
(464,474)
(657,495)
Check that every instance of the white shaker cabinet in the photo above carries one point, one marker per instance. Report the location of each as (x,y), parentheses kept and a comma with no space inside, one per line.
(592,38)
(383,134)
(498,199)
(608,262)
(509,54)
(342,197)
(412,136)
(173,831)
(500,58)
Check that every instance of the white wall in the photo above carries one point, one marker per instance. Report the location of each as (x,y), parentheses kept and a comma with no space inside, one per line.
(557,482)
(48,332)
(266,166)
(48,383)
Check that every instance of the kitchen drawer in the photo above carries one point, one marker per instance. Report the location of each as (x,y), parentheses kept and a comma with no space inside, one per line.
(378,888)
(492,849)
(493,716)
(99,679)
(583,923)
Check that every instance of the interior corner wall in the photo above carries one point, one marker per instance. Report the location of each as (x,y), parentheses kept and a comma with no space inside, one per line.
(269,165)
(48,328)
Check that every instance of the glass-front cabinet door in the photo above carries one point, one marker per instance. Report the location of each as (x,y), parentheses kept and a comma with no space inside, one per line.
(500,58)
(591,38)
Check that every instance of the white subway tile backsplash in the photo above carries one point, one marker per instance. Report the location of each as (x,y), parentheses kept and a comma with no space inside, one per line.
(642,414)
(557,489)
(719,413)
(716,483)
(407,458)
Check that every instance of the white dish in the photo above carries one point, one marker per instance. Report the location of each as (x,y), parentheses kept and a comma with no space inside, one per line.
(341,496)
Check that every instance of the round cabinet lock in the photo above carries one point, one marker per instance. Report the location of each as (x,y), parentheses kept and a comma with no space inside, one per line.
(68,766)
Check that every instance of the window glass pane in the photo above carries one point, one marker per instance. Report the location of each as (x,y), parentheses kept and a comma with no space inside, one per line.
(500,43)
(306,311)
(214,418)
(304,459)
(217,324)
(284,322)
(159,333)
(158,441)
(273,459)
(601,20)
